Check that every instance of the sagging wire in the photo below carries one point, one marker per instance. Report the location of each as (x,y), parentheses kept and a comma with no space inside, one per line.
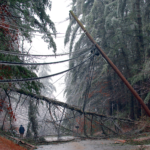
(58,79)
(8,23)
(43,119)
(65,87)
(77,87)
(60,93)
(33,34)
(33,55)
(48,76)
(17,30)
(91,70)
(62,21)
(49,120)
(25,64)
(60,122)
(63,119)
(21,32)
(50,113)
(31,30)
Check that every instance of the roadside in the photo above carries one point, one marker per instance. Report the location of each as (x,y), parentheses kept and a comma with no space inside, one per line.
(6,144)
(106,144)
(141,143)
(129,142)
(136,141)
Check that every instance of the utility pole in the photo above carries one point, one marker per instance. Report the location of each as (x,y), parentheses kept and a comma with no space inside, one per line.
(113,66)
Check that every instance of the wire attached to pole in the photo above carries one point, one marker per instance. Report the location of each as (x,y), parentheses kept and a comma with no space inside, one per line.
(34,55)
(91,65)
(24,64)
(37,78)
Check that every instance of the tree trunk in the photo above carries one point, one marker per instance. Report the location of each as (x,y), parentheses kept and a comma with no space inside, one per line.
(132,107)
(91,125)
(110,88)
(139,22)
(138,110)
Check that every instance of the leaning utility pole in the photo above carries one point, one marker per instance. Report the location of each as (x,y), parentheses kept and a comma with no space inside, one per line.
(113,66)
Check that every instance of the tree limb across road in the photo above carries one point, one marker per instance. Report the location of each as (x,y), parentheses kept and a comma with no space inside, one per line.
(62,104)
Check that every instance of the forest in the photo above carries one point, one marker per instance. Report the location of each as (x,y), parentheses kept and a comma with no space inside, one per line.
(98,103)
(121,29)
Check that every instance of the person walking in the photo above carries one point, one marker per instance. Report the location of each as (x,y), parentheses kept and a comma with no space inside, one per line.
(21,131)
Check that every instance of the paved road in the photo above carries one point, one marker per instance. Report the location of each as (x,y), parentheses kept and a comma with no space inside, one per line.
(89,145)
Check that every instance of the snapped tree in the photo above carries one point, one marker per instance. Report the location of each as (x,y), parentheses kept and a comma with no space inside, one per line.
(19,21)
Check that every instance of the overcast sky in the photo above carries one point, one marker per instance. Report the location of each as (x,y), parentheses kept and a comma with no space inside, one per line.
(59,12)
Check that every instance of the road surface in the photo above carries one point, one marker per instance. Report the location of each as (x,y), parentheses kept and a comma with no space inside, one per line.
(89,145)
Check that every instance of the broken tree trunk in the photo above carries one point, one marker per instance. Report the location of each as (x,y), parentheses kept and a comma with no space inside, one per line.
(65,105)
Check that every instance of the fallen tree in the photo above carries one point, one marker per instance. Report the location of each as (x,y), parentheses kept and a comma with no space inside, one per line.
(65,105)
(102,119)
(17,140)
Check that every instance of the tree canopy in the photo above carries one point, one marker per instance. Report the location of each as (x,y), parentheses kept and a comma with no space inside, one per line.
(20,20)
(121,28)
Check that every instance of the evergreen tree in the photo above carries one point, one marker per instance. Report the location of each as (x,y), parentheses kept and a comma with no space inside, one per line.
(19,21)
(33,122)
(121,28)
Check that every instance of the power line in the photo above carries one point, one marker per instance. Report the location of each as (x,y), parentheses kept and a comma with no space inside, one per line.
(24,64)
(87,90)
(63,119)
(59,93)
(37,78)
(33,55)
(58,79)
(62,21)
(76,85)
(65,87)
(17,30)
(23,27)
(49,120)
(31,30)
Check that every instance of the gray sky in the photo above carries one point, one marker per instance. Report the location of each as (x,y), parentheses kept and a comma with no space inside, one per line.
(59,12)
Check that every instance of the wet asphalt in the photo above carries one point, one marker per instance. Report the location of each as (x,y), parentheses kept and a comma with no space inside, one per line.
(89,145)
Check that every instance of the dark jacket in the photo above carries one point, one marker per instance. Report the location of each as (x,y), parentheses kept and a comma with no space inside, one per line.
(21,130)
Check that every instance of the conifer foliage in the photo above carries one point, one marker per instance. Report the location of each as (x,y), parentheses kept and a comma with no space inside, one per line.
(121,28)
(19,21)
